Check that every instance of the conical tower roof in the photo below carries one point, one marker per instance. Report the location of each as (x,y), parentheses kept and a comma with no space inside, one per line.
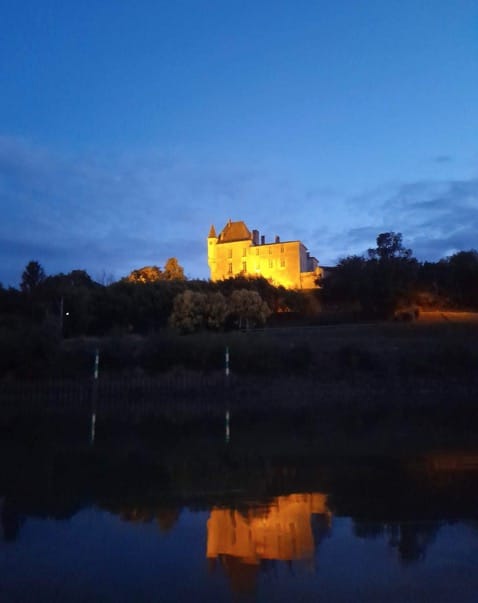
(234,231)
(212,232)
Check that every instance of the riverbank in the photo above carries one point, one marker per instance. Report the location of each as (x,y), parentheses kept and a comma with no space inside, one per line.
(359,389)
(438,345)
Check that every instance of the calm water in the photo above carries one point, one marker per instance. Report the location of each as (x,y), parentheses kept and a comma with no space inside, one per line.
(199,520)
(289,551)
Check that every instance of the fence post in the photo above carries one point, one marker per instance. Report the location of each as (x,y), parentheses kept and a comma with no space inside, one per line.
(228,414)
(94,396)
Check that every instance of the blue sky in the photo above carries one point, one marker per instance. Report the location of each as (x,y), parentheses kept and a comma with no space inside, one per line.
(127,128)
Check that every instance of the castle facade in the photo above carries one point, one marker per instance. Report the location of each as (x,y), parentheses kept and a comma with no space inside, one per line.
(237,251)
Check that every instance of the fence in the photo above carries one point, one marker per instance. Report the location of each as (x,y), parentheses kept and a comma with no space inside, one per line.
(114,395)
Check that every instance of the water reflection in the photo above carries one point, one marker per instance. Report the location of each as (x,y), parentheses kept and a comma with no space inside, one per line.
(281,530)
(237,521)
(410,539)
(245,540)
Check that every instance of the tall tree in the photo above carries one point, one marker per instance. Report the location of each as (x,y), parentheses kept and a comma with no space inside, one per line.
(389,246)
(173,271)
(32,277)
(462,280)
(381,282)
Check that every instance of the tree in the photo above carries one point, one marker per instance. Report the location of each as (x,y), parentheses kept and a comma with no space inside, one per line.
(248,307)
(32,277)
(173,271)
(381,282)
(69,296)
(462,278)
(216,310)
(151,274)
(189,311)
(147,274)
(389,246)
(345,284)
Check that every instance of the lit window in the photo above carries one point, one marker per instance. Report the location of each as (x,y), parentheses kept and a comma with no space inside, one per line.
(230,269)
(244,266)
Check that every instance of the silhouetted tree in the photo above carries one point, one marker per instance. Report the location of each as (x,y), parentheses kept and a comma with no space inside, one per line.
(69,297)
(462,279)
(380,282)
(346,284)
(389,246)
(32,277)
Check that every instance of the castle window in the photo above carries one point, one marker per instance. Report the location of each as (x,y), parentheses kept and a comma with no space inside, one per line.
(271,263)
(282,249)
(244,266)
(244,252)
(230,268)
(282,263)
(229,253)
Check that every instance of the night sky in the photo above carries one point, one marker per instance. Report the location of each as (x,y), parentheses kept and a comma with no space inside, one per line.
(127,128)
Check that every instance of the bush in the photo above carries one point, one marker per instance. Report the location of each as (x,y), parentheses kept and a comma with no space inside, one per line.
(29,350)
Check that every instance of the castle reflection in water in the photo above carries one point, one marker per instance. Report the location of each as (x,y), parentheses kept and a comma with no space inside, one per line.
(281,530)
(287,529)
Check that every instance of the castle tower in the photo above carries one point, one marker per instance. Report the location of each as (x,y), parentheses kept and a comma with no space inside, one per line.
(211,250)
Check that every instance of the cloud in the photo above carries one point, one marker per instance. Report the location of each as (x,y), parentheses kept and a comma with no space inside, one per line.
(116,214)
(436,218)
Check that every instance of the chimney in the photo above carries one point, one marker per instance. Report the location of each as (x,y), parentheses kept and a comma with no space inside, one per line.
(277,239)
(255,237)
(263,240)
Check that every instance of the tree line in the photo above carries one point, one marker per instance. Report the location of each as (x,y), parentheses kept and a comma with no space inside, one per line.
(146,300)
(377,284)
(388,278)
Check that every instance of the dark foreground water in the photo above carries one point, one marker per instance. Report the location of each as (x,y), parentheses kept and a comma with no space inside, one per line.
(186,517)
(286,552)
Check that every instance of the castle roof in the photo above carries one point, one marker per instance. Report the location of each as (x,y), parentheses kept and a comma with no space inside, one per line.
(234,231)
(212,232)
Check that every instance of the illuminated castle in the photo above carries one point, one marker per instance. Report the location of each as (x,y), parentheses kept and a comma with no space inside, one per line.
(238,252)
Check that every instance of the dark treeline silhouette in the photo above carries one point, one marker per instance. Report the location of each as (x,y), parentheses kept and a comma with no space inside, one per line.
(74,304)
(388,279)
(379,283)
